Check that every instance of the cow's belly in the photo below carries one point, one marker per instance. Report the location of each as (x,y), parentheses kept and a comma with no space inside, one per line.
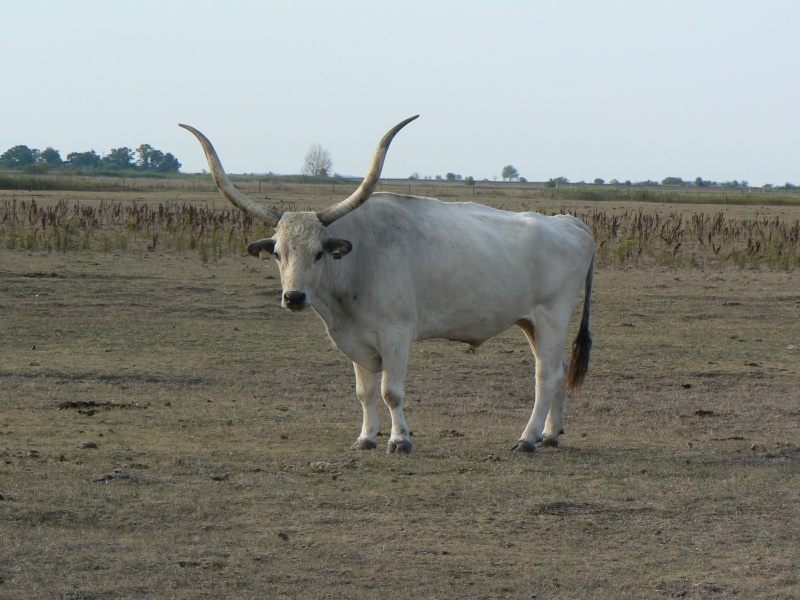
(471,327)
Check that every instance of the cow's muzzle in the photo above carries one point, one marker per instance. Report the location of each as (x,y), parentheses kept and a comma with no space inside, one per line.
(295,300)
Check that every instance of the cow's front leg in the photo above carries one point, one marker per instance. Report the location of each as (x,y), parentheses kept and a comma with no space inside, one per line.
(367,392)
(395,365)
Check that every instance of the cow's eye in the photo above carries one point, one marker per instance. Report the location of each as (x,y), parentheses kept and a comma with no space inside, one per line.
(318,256)
(277,255)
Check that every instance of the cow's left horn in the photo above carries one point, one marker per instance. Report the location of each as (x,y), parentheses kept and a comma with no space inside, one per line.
(337,211)
(227,189)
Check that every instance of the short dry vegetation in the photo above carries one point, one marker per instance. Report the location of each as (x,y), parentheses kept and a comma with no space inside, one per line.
(627,232)
(167,431)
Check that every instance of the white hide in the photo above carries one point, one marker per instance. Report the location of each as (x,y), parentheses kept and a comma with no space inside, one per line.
(421,268)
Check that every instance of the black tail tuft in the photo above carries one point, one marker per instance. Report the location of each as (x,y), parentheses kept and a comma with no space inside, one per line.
(579,365)
(582,346)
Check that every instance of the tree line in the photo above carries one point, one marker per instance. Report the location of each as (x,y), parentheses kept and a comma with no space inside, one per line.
(678,181)
(509,173)
(144,158)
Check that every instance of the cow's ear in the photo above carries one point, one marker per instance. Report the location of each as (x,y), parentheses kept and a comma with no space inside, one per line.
(256,248)
(337,247)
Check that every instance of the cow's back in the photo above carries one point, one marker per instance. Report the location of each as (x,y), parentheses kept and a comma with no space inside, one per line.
(458,270)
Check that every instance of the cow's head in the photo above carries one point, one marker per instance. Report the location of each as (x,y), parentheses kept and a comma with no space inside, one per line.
(301,245)
(301,242)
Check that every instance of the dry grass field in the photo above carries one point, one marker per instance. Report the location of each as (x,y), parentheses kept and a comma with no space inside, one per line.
(167,431)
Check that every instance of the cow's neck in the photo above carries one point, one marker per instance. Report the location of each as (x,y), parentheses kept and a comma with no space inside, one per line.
(336,302)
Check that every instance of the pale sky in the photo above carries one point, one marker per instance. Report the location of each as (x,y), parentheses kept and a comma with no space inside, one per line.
(625,89)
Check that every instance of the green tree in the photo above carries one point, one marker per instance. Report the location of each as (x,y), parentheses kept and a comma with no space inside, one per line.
(557,182)
(144,151)
(83,160)
(119,158)
(151,159)
(51,157)
(17,157)
(166,163)
(154,159)
(509,173)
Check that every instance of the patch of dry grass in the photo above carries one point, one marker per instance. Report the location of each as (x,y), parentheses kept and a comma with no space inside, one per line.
(223,426)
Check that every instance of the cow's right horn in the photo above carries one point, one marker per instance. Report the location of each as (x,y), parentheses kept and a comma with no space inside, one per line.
(227,189)
(337,211)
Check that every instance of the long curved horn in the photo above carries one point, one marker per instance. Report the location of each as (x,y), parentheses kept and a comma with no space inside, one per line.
(227,189)
(337,211)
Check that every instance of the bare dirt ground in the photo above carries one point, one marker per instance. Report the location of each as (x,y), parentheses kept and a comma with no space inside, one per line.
(167,431)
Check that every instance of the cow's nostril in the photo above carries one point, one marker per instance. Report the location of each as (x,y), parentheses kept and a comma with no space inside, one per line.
(295,298)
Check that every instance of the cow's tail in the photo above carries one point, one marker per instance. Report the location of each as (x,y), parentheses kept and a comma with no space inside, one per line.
(582,345)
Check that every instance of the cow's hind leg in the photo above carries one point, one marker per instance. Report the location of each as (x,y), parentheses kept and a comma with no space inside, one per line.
(367,392)
(546,422)
(554,425)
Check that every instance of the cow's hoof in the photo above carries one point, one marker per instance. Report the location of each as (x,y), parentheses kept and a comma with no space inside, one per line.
(401,447)
(364,444)
(523,446)
(550,442)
